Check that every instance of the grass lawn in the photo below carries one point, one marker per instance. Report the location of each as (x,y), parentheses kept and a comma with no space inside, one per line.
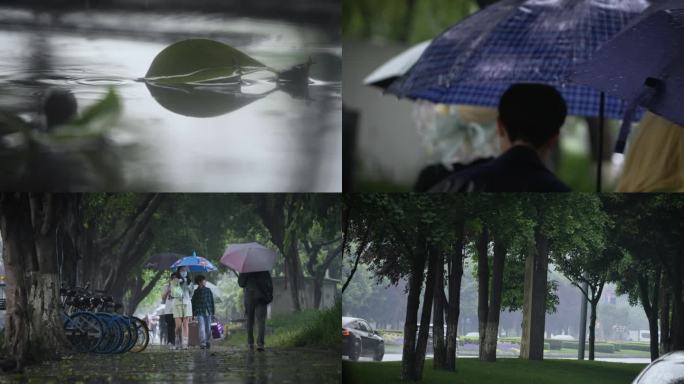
(509,371)
(308,328)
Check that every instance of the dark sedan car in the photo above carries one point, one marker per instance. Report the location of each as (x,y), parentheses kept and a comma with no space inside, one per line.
(668,369)
(360,340)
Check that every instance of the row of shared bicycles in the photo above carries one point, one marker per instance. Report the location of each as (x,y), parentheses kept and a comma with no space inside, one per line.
(92,323)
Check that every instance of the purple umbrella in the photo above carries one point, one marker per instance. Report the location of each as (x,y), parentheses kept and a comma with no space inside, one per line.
(643,64)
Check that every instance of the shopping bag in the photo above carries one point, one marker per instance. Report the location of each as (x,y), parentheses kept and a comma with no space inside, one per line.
(216,330)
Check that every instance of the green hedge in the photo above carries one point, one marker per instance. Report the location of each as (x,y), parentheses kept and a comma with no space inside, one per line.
(547,346)
(598,347)
(555,345)
(469,340)
(635,346)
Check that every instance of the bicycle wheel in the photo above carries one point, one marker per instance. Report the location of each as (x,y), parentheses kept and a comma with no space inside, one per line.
(134,334)
(113,333)
(84,330)
(143,335)
(130,335)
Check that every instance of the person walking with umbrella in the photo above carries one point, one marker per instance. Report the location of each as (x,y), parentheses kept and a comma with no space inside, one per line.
(258,288)
(253,262)
(182,290)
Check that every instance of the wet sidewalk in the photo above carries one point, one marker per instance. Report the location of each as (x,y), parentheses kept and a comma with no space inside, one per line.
(218,365)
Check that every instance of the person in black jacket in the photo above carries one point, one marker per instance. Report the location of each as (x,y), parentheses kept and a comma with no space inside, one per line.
(528,125)
(258,294)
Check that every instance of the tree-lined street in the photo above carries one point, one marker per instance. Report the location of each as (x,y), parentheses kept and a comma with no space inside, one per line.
(102,244)
(511,242)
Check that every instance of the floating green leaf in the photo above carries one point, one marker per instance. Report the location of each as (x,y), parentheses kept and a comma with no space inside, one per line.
(200,61)
(200,101)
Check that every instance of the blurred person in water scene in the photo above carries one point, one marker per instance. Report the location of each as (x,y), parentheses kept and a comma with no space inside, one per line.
(528,125)
(182,290)
(258,293)
(655,157)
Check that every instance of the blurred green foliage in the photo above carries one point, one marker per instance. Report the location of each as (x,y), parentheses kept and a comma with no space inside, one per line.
(408,21)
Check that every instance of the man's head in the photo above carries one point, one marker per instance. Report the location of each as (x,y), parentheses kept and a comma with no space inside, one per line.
(530,114)
(200,280)
(59,107)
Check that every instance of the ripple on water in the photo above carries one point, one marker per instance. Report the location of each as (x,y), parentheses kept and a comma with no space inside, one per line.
(104,81)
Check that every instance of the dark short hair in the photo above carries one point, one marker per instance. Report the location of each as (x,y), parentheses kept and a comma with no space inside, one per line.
(199,279)
(176,275)
(533,113)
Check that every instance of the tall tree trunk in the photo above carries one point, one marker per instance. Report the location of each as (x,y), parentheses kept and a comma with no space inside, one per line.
(651,309)
(318,271)
(439,360)
(33,330)
(482,287)
(592,328)
(423,333)
(17,240)
(653,329)
(408,361)
(677,285)
(492,329)
(534,300)
(455,274)
(44,297)
(665,299)
(294,274)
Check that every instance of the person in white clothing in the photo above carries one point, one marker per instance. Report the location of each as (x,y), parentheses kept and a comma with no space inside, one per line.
(182,290)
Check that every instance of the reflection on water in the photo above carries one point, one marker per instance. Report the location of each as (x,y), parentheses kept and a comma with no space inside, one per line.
(257,135)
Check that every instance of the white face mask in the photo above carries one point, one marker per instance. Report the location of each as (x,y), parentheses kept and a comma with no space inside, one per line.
(183,273)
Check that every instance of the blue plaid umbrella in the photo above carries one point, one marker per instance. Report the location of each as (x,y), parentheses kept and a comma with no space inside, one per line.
(195,264)
(643,65)
(516,41)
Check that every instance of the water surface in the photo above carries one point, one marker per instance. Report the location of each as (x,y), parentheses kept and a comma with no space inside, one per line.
(278,140)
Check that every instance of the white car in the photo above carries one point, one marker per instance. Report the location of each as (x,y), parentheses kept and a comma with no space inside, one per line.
(668,369)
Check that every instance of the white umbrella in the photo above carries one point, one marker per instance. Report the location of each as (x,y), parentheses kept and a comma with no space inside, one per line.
(396,67)
(248,257)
